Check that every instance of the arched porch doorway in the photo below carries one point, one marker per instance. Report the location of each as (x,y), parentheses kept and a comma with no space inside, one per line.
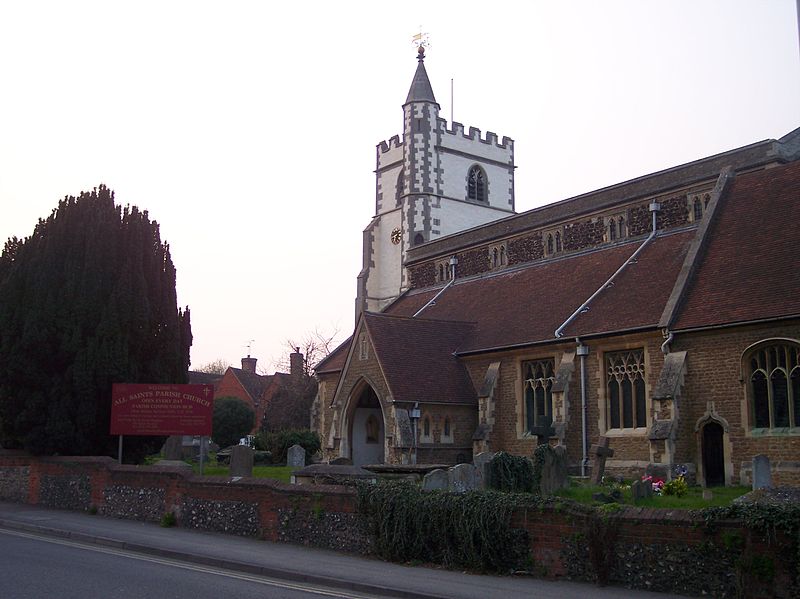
(367,436)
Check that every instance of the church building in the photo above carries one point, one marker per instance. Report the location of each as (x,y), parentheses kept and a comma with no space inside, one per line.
(661,313)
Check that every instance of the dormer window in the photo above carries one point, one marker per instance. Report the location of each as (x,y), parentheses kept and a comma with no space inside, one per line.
(476,184)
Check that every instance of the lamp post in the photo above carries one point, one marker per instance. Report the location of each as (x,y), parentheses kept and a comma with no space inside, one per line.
(414,416)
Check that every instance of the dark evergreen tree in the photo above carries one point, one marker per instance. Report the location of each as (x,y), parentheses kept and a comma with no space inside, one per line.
(233,419)
(86,301)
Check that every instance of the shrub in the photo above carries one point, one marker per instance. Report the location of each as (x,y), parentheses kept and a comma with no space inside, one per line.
(278,444)
(677,487)
(232,420)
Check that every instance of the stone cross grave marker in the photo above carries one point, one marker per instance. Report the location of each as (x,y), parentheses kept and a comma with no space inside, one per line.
(543,431)
(241,461)
(296,456)
(601,452)
(762,477)
(435,480)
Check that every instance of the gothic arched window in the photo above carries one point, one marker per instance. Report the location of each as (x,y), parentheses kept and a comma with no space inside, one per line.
(476,184)
(538,380)
(558,241)
(621,227)
(549,244)
(774,385)
(446,431)
(626,402)
(612,230)
(502,255)
(495,257)
(698,209)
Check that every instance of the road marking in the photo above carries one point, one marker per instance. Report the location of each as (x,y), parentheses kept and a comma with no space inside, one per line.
(264,580)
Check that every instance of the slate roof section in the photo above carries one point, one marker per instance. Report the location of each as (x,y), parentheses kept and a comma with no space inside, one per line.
(750,269)
(420,90)
(706,169)
(418,360)
(525,306)
(204,378)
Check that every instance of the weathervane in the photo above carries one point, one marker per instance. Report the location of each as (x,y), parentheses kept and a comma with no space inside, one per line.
(249,343)
(421,41)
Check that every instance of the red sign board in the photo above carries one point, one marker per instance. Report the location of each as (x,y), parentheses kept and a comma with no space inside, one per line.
(161,409)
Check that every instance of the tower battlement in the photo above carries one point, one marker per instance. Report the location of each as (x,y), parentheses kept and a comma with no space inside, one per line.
(393,143)
(474,134)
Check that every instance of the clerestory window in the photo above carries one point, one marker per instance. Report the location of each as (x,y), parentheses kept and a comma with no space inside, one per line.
(774,381)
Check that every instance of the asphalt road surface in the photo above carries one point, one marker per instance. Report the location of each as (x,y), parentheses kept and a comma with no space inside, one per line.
(33,567)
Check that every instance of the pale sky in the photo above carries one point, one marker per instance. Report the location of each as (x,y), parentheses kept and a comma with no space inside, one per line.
(248,129)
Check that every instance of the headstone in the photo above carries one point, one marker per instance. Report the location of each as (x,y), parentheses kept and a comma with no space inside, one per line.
(554,471)
(241,461)
(481,462)
(641,489)
(543,432)
(600,452)
(296,456)
(173,448)
(436,480)
(461,478)
(762,476)
(708,495)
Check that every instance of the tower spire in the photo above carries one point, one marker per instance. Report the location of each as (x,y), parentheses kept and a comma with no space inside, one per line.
(421,90)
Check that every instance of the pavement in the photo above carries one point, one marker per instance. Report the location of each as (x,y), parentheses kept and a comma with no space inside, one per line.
(290,562)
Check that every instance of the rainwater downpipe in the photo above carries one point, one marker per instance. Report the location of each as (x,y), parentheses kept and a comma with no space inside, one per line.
(654,208)
(583,351)
(665,347)
(453,262)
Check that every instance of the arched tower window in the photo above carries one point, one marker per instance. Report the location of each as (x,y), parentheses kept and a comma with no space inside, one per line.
(398,192)
(419,238)
(774,385)
(476,184)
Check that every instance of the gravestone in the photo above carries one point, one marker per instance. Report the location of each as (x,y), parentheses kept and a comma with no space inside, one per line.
(481,462)
(708,494)
(762,476)
(173,448)
(543,431)
(241,461)
(296,456)
(600,452)
(641,489)
(436,480)
(554,471)
(461,478)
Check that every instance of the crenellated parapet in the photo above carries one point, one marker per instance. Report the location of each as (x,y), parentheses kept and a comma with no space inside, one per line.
(474,134)
(393,144)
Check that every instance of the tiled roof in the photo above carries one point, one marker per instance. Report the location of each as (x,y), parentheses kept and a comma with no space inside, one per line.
(253,383)
(750,269)
(417,358)
(203,378)
(526,305)
(334,361)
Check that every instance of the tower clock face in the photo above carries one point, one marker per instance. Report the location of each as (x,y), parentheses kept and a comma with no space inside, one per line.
(396,235)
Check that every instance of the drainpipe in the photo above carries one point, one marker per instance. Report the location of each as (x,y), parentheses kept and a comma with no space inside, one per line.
(665,347)
(583,351)
(453,262)
(584,307)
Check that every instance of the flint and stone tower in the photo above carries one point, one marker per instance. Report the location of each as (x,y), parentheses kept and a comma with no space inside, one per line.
(434,182)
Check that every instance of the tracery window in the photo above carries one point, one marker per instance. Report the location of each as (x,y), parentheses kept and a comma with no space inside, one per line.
(626,402)
(538,377)
(774,379)
(476,184)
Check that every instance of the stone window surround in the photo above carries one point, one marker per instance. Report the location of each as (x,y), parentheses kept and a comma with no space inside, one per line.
(498,255)
(747,404)
(703,197)
(612,220)
(519,389)
(557,236)
(602,390)
(480,198)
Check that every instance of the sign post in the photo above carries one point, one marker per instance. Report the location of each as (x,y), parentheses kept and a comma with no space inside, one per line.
(161,410)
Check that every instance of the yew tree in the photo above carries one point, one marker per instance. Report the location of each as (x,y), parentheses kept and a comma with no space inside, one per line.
(86,301)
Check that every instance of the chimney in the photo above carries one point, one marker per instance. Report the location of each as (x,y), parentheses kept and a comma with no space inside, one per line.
(296,363)
(249,364)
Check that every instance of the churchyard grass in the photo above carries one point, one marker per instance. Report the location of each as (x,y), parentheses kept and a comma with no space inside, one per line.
(281,473)
(693,500)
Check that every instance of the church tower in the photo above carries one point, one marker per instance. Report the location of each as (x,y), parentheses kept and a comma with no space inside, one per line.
(434,182)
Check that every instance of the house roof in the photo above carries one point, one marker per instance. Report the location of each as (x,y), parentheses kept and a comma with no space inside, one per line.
(417,358)
(253,383)
(750,269)
(526,305)
(204,378)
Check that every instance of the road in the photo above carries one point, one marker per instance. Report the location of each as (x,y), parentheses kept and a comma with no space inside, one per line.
(33,567)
